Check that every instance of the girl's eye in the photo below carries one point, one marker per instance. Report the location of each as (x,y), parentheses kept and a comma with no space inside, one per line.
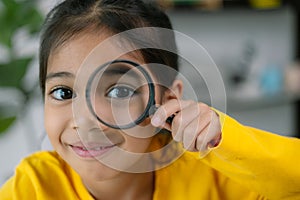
(120,92)
(62,93)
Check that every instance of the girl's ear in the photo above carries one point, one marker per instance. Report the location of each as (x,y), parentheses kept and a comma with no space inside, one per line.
(174,92)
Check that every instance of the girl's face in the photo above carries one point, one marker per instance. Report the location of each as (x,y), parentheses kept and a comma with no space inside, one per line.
(79,138)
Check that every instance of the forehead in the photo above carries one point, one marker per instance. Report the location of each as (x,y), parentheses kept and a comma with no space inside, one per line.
(88,50)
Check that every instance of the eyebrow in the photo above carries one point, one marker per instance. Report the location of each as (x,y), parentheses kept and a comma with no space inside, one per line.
(59,75)
(121,71)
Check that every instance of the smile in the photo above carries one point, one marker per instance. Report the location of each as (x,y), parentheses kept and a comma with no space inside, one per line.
(91,152)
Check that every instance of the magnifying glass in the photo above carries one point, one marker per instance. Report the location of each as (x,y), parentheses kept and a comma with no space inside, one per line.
(120,94)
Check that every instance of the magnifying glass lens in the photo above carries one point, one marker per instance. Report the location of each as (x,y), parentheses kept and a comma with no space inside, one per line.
(119,94)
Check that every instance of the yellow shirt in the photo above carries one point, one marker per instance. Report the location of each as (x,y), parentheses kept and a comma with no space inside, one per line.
(247,164)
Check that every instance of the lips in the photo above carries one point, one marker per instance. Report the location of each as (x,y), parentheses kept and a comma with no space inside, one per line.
(91,150)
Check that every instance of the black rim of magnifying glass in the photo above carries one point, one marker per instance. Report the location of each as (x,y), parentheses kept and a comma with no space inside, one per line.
(150,104)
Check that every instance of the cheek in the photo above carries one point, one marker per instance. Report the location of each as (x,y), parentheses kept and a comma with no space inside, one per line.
(142,130)
(160,93)
(55,123)
(137,145)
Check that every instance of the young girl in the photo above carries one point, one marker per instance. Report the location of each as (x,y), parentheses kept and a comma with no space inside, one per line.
(93,160)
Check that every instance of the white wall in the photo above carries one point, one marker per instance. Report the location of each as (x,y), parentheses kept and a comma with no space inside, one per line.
(224,35)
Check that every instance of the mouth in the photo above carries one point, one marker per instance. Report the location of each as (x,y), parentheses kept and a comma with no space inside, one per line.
(86,151)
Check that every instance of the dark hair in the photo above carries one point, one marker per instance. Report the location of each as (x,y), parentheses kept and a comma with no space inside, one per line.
(73,17)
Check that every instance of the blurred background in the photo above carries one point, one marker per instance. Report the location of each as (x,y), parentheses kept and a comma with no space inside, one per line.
(254,44)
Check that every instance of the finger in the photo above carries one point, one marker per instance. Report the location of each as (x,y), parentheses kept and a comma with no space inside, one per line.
(210,134)
(183,119)
(164,111)
(194,129)
(190,135)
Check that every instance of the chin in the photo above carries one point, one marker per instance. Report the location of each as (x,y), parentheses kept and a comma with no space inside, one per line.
(97,171)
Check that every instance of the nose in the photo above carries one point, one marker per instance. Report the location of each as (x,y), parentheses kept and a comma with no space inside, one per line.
(83,119)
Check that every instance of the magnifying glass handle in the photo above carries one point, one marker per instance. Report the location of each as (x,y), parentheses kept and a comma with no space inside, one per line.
(170,119)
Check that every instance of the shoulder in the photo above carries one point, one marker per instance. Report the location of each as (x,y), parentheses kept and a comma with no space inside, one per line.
(42,175)
(44,161)
(40,165)
(43,156)
(45,165)
(30,175)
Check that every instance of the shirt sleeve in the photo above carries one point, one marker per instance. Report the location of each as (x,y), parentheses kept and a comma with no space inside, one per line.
(263,162)
(18,187)
(44,175)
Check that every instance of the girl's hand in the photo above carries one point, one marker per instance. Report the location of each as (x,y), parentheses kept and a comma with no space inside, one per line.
(195,124)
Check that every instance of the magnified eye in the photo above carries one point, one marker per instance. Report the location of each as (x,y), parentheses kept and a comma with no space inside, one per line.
(62,93)
(120,92)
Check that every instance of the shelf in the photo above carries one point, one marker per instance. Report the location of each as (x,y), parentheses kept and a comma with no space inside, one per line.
(213,5)
(255,103)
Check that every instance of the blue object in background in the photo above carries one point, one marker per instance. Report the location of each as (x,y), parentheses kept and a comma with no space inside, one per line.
(271,80)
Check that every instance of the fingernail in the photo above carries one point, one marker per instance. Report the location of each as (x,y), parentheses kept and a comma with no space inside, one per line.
(156,121)
(214,142)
